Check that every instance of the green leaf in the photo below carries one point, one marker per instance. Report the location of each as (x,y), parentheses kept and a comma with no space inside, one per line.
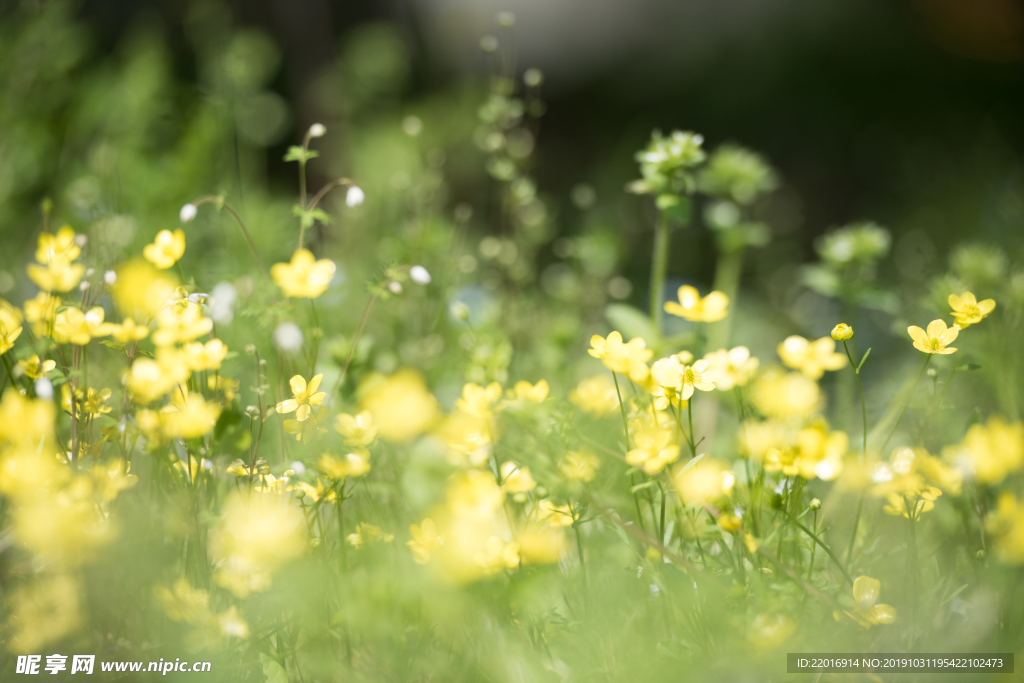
(272,670)
(631,322)
(969,366)
(861,364)
(691,463)
(113,344)
(297,153)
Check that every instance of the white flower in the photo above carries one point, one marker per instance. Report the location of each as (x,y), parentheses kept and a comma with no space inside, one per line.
(317,130)
(187,213)
(44,388)
(110,277)
(221,303)
(288,337)
(354,196)
(298,468)
(419,275)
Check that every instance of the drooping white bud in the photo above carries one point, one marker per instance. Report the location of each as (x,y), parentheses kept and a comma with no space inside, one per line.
(317,130)
(419,275)
(354,196)
(110,277)
(187,213)
(44,388)
(395,287)
(298,468)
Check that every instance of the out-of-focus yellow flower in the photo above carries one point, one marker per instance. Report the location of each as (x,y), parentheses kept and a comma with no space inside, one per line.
(536,393)
(25,420)
(110,478)
(654,447)
(967,310)
(59,275)
(303,397)
(257,535)
(910,481)
(516,479)
(692,307)
(309,430)
(769,630)
(128,331)
(1006,526)
(64,527)
(595,395)
(479,401)
(89,400)
(72,326)
(225,386)
(425,540)
(814,452)
(842,332)
(810,358)
(629,359)
(783,396)
(358,430)
(148,379)
(730,523)
(10,326)
(62,245)
(540,544)
(401,406)
(554,515)
(757,438)
(190,416)
(304,277)
(35,368)
(42,612)
(355,463)
(141,289)
(867,611)
(936,339)
(732,368)
(468,437)
(579,466)
(232,624)
(166,249)
(41,311)
(179,323)
(703,482)
(184,603)
(208,356)
(368,533)
(991,451)
(671,373)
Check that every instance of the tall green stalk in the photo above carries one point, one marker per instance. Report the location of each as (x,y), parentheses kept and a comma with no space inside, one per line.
(659,268)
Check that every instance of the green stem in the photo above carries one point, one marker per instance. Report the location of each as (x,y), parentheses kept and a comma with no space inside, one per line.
(693,437)
(910,396)
(659,267)
(824,547)
(856,523)
(625,428)
(863,406)
(814,546)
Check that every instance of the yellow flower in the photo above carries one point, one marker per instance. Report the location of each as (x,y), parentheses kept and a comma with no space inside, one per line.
(128,331)
(148,379)
(91,401)
(355,463)
(479,401)
(401,405)
(43,611)
(59,275)
(141,289)
(191,416)
(185,603)
(308,430)
(654,447)
(540,544)
(967,310)
(62,245)
(554,515)
(910,480)
(180,323)
(703,482)
(303,397)
(40,311)
(516,479)
(628,359)
(368,533)
(991,451)
(866,612)
(304,277)
(810,358)
(732,368)
(935,339)
(671,373)
(769,630)
(467,437)
(842,332)
(757,439)
(424,541)
(524,391)
(358,430)
(579,466)
(710,309)
(35,368)
(781,395)
(730,523)
(10,326)
(72,326)
(24,419)
(1006,526)
(166,249)
(208,356)
(595,395)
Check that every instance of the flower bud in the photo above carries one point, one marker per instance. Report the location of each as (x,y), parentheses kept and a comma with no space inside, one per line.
(842,332)
(815,504)
(317,130)
(187,213)
(419,275)
(395,287)
(354,196)
(110,277)
(298,468)
(44,388)
(288,337)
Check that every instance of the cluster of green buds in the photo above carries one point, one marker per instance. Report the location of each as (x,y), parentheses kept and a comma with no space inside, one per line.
(849,261)
(666,165)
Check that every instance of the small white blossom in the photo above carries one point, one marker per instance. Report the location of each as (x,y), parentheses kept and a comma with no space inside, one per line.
(288,337)
(187,213)
(44,388)
(317,130)
(395,287)
(221,303)
(419,275)
(298,468)
(110,277)
(354,196)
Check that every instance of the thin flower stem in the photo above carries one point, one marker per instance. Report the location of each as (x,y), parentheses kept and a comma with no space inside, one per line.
(659,267)
(959,359)
(863,406)
(352,350)
(689,415)
(211,199)
(622,409)
(814,546)
(856,524)
(928,358)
